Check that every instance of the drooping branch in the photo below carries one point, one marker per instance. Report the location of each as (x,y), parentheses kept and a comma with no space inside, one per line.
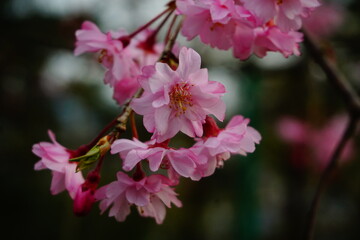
(352,102)
(334,76)
(326,177)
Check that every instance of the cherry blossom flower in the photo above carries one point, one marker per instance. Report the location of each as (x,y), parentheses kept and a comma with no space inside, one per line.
(150,194)
(56,158)
(209,19)
(84,198)
(239,28)
(83,202)
(144,51)
(113,54)
(287,14)
(182,160)
(178,100)
(266,38)
(236,138)
(122,57)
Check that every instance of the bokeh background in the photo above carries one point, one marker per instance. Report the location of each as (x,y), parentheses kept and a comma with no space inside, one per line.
(261,196)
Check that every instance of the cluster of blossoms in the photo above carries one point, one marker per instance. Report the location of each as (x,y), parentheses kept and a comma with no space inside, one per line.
(166,85)
(247,26)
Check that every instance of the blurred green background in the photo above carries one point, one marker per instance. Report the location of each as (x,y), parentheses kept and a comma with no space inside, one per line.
(261,196)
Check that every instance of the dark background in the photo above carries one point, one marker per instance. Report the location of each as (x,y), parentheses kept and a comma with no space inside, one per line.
(261,196)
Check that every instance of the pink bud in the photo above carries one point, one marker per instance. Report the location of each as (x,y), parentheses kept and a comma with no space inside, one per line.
(83,202)
(84,198)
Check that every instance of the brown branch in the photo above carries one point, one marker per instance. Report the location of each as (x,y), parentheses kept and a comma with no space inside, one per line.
(335,77)
(352,102)
(326,177)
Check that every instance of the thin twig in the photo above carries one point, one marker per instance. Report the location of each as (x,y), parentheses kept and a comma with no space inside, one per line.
(326,177)
(133,126)
(149,23)
(172,39)
(335,77)
(352,102)
(122,119)
(170,28)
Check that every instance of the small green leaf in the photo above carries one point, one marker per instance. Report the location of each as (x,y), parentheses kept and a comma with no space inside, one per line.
(88,159)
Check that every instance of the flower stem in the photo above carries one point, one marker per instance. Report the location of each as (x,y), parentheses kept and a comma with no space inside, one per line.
(140,29)
(133,126)
(167,38)
(172,39)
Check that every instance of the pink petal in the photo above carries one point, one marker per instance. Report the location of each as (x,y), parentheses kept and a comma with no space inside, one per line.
(189,62)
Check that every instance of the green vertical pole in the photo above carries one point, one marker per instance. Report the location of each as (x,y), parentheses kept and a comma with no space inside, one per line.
(247,215)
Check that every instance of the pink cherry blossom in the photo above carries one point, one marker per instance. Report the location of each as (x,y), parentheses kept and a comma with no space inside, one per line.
(84,198)
(113,54)
(261,39)
(56,158)
(150,194)
(83,202)
(236,138)
(125,89)
(178,100)
(122,57)
(239,28)
(182,160)
(144,52)
(209,19)
(272,39)
(287,14)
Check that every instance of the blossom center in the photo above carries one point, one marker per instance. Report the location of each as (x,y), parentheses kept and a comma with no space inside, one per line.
(180,98)
(279,2)
(104,56)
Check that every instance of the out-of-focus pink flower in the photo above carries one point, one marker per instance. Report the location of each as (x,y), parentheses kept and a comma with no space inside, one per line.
(183,161)
(121,56)
(150,194)
(113,53)
(143,50)
(293,130)
(178,100)
(325,20)
(272,39)
(320,143)
(56,158)
(125,89)
(265,38)
(326,139)
(287,14)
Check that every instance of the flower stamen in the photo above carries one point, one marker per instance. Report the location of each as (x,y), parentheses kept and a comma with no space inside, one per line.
(180,98)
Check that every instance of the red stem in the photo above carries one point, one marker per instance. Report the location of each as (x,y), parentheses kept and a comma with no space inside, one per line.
(163,22)
(133,126)
(140,29)
(85,148)
(167,38)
